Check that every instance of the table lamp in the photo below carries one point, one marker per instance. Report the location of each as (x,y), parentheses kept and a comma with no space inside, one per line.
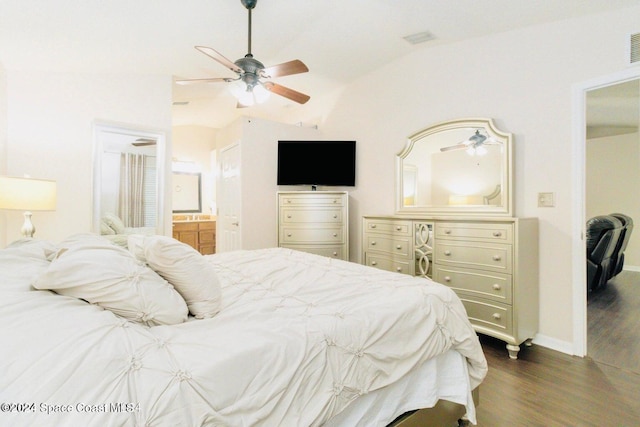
(27,195)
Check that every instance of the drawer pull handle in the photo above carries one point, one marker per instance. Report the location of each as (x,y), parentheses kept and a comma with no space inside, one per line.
(497,287)
(372,226)
(497,316)
(335,201)
(497,257)
(447,231)
(398,247)
(374,263)
(447,278)
(373,243)
(497,233)
(335,253)
(398,268)
(447,253)
(335,216)
(398,228)
(288,216)
(288,200)
(289,234)
(335,234)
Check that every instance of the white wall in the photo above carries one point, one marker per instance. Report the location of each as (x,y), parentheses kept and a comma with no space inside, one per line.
(3,143)
(522,79)
(49,135)
(613,175)
(259,158)
(194,144)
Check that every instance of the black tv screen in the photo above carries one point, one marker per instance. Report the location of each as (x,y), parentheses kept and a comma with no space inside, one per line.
(329,163)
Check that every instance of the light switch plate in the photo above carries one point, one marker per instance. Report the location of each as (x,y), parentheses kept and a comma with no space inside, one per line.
(546,200)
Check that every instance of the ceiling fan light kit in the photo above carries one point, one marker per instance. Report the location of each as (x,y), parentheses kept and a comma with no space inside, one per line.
(250,71)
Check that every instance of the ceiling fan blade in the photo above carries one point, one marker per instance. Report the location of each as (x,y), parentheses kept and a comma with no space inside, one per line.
(212,53)
(142,142)
(293,95)
(210,80)
(454,147)
(285,69)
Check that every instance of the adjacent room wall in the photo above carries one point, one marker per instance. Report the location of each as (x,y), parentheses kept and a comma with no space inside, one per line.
(613,174)
(193,145)
(49,135)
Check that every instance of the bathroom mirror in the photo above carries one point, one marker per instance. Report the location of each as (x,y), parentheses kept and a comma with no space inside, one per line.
(128,177)
(459,167)
(187,190)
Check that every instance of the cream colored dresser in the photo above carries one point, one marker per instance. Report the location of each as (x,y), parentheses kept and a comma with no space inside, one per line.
(491,263)
(314,221)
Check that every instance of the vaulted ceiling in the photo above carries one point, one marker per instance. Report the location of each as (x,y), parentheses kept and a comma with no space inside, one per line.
(338,40)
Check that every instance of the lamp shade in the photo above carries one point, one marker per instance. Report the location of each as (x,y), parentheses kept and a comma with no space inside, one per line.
(27,194)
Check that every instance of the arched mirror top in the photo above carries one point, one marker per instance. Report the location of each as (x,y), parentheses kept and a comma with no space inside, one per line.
(458,167)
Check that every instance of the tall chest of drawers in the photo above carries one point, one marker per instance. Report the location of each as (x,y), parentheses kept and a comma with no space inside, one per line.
(314,221)
(491,264)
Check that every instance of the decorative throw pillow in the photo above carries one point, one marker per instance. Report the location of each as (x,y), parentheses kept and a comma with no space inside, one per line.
(109,276)
(114,222)
(186,269)
(135,244)
(105,229)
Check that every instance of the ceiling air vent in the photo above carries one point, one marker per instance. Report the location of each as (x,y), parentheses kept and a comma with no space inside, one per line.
(418,38)
(634,48)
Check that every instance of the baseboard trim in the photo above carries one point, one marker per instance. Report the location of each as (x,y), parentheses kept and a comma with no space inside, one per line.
(631,268)
(554,344)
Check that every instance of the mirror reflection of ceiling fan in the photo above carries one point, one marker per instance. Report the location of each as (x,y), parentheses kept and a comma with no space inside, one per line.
(142,142)
(475,145)
(250,71)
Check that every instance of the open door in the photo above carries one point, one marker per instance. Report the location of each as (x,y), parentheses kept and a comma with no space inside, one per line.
(229,200)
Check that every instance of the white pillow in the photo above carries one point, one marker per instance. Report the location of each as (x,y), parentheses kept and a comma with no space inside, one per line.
(186,269)
(135,244)
(106,229)
(114,222)
(82,240)
(109,276)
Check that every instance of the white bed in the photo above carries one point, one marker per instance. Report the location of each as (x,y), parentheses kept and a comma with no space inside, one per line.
(296,340)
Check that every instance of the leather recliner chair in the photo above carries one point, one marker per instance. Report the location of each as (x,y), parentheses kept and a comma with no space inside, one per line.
(603,233)
(617,259)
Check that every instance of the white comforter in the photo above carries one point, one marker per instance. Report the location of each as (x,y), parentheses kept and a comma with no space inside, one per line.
(299,338)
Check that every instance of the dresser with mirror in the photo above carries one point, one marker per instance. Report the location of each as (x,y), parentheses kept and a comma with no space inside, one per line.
(454,223)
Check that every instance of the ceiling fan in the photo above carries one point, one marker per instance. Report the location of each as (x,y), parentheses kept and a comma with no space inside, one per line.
(475,144)
(143,142)
(250,71)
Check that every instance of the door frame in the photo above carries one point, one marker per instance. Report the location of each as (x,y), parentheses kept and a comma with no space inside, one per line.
(223,230)
(579,138)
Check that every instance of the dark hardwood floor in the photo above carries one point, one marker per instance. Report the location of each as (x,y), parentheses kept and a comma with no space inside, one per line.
(613,322)
(547,388)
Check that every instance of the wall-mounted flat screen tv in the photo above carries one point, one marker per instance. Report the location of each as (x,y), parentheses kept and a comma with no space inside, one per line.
(328,163)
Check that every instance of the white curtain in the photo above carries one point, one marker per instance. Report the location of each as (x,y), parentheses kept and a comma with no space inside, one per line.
(131,200)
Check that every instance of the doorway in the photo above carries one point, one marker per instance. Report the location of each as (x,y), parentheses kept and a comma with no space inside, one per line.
(588,98)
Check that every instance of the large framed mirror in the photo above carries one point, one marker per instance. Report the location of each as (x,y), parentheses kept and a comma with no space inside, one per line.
(458,167)
(128,179)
